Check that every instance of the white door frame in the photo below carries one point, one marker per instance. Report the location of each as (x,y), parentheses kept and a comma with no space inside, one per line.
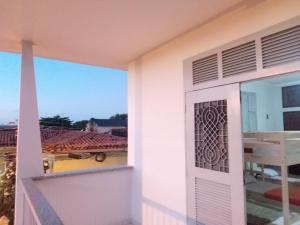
(221,81)
(233,179)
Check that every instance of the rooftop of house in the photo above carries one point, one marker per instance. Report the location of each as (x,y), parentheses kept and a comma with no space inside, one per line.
(110,123)
(8,126)
(63,140)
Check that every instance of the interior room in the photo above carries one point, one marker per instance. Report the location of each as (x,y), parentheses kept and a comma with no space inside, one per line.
(271,139)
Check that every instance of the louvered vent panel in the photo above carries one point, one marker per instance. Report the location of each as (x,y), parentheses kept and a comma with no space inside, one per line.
(239,59)
(281,47)
(205,69)
(213,203)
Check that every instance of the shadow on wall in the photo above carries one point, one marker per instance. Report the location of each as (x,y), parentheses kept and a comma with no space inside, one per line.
(146,211)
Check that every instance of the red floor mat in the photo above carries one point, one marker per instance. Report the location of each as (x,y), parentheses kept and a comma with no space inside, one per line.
(294,194)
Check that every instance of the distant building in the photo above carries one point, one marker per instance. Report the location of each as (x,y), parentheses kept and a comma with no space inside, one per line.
(13,123)
(8,126)
(119,132)
(107,125)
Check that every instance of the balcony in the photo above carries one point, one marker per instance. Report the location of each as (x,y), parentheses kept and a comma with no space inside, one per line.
(153,40)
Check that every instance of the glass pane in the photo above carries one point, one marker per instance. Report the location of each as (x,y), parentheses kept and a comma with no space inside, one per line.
(272,149)
(261,207)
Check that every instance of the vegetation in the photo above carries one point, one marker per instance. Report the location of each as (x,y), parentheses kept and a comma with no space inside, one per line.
(92,125)
(56,121)
(80,125)
(7,191)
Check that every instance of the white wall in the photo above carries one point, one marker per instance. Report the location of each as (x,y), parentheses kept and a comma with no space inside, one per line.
(156,108)
(269,105)
(92,198)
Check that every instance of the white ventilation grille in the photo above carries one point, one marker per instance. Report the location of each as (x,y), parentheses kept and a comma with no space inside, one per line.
(239,59)
(262,51)
(213,204)
(205,69)
(281,47)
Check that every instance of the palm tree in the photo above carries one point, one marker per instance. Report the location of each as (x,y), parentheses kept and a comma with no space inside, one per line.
(91,126)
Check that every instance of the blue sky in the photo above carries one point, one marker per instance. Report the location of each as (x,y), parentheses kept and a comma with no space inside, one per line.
(64,88)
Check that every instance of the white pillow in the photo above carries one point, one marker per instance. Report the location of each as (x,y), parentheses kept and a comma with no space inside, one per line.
(270,172)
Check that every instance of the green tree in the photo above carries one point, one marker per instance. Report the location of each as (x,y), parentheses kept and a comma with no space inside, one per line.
(56,121)
(119,117)
(80,125)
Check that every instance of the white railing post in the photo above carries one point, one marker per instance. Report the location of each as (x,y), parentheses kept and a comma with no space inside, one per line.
(29,150)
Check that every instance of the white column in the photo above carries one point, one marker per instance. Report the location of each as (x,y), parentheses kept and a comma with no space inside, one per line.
(29,149)
(135,136)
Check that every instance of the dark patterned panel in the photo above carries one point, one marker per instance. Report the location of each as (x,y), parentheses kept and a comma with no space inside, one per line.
(291,120)
(291,96)
(211,135)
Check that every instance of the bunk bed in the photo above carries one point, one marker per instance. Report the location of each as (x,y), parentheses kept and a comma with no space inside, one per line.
(277,149)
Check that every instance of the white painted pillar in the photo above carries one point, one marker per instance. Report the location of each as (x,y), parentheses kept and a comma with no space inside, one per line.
(29,149)
(135,136)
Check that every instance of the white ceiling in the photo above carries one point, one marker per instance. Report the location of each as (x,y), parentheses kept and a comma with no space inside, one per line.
(100,32)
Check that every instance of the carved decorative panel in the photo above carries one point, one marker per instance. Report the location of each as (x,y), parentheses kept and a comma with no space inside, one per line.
(211,135)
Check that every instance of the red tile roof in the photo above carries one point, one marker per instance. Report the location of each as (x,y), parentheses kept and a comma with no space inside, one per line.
(61,141)
(7,137)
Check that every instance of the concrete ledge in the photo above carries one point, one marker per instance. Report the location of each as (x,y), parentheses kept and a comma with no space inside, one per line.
(40,208)
(83,172)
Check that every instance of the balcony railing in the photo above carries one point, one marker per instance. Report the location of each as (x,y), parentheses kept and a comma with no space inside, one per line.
(93,197)
(37,210)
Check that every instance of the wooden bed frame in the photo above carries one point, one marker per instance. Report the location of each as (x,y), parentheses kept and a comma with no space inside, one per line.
(288,153)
